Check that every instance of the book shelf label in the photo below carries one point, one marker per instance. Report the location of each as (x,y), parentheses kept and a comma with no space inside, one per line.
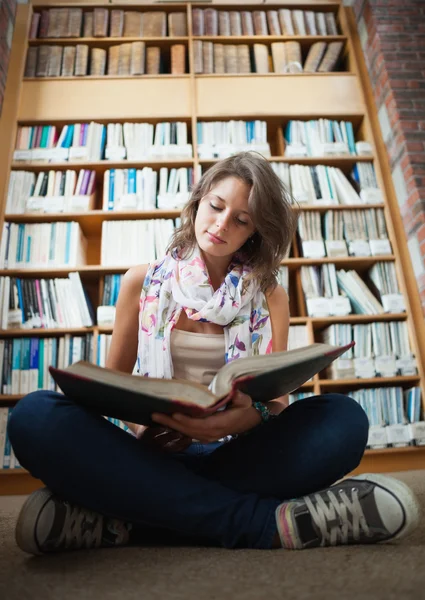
(359,248)
(115,152)
(417,432)
(393,303)
(377,437)
(364,148)
(105,315)
(295,150)
(385,366)
(336,248)
(371,196)
(364,368)
(314,249)
(406,365)
(14,318)
(318,307)
(78,152)
(380,247)
(339,306)
(398,435)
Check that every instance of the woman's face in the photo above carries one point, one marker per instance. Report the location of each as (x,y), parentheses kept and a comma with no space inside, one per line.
(223,223)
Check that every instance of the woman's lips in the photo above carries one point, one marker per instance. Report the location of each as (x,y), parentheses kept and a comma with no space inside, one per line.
(215,239)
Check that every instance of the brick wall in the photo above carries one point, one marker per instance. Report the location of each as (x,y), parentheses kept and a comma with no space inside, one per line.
(7,19)
(392,34)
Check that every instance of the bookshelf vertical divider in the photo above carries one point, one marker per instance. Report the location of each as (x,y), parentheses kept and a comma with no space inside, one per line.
(193,98)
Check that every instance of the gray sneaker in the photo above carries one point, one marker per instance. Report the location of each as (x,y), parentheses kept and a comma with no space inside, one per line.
(361,510)
(47,523)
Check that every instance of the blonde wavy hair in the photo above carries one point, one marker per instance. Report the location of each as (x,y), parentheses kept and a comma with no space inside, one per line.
(269,202)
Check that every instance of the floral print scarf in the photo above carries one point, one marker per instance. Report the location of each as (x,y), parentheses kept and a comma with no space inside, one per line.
(172,285)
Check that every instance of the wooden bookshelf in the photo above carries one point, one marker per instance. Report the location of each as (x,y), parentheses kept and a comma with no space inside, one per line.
(342,95)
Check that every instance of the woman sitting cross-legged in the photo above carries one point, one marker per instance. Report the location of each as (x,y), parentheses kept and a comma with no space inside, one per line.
(253,476)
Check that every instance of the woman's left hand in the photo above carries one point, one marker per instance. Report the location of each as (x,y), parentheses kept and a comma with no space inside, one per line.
(239,416)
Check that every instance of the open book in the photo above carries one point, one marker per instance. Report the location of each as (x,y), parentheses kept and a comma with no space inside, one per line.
(133,398)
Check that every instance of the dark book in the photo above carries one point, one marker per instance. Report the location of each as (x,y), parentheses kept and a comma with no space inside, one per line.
(134,398)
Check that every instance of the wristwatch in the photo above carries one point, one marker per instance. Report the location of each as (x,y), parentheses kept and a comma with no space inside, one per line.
(266,414)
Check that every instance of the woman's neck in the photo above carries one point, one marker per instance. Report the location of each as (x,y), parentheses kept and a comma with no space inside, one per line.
(217,268)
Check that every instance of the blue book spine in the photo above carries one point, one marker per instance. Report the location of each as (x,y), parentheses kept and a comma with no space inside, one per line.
(16,365)
(21,298)
(350,135)
(199,132)
(20,244)
(98,349)
(131,181)
(111,189)
(33,383)
(85,127)
(103,142)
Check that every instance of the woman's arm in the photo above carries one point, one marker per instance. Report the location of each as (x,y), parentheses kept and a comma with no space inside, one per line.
(123,349)
(278,304)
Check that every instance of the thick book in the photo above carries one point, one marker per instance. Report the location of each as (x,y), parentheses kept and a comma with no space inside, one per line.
(134,398)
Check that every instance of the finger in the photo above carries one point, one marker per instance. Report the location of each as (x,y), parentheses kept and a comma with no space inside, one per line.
(175,425)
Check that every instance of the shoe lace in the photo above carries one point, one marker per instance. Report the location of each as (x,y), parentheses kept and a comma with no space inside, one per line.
(82,528)
(331,516)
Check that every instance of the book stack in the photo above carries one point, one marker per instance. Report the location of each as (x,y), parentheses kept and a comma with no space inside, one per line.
(42,245)
(52,191)
(278,57)
(100,22)
(139,189)
(127,59)
(213,22)
(126,243)
(220,139)
(44,303)
(25,361)
(395,416)
(382,350)
(323,137)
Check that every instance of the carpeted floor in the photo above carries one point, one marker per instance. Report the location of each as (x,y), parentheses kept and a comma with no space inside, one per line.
(380,572)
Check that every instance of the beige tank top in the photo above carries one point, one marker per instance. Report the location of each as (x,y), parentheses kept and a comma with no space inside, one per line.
(196,356)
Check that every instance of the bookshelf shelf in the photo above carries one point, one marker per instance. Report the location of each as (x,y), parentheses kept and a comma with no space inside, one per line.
(339,95)
(98,270)
(101,166)
(104,42)
(11,333)
(303,39)
(328,384)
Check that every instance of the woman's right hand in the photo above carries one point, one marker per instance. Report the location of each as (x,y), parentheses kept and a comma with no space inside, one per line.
(162,437)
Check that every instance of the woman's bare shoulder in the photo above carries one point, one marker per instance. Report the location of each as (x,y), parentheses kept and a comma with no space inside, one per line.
(134,278)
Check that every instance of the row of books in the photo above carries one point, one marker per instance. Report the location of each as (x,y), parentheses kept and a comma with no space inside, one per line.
(96,141)
(341,292)
(146,189)
(133,58)
(8,458)
(381,349)
(220,139)
(210,21)
(279,57)
(323,185)
(149,188)
(25,361)
(322,137)
(395,415)
(126,243)
(341,233)
(50,191)
(44,303)
(40,245)
(100,22)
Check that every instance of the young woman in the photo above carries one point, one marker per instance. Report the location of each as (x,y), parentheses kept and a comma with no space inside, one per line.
(253,475)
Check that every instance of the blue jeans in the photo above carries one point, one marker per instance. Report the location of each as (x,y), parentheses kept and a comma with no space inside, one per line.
(223,493)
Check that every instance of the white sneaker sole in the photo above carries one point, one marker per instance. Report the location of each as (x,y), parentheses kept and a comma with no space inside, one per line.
(405,496)
(25,531)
